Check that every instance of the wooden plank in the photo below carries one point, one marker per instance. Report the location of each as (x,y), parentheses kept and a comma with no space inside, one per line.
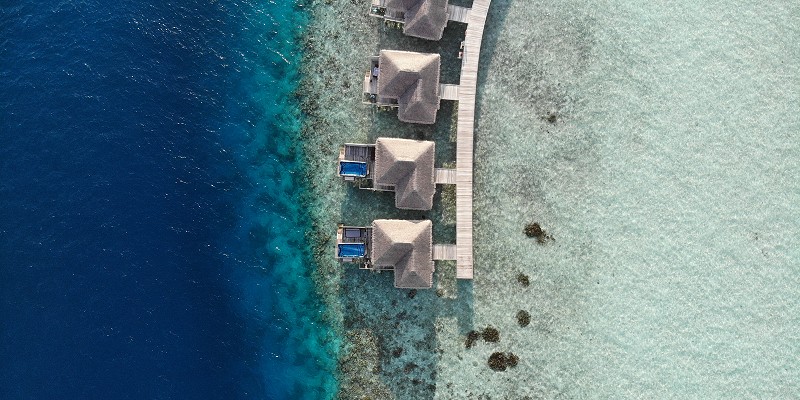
(358,152)
(445,176)
(458,13)
(448,91)
(444,252)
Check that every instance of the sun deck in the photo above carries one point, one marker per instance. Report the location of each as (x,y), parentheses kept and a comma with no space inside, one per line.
(371,87)
(353,235)
(357,153)
(379,10)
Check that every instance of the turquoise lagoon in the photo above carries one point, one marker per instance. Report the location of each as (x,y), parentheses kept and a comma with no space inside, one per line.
(656,143)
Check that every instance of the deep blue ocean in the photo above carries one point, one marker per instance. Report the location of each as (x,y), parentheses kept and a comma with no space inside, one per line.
(151,231)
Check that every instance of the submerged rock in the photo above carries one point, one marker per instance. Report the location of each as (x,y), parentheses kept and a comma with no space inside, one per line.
(409,367)
(534,230)
(523,280)
(523,318)
(472,337)
(500,361)
(491,335)
(512,360)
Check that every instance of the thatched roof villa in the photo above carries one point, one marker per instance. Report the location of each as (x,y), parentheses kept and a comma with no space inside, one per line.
(405,247)
(403,166)
(406,80)
(424,19)
(408,166)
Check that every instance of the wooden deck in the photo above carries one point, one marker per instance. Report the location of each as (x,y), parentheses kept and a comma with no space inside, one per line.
(386,15)
(448,91)
(354,234)
(357,152)
(445,176)
(465,129)
(444,252)
(370,86)
(457,13)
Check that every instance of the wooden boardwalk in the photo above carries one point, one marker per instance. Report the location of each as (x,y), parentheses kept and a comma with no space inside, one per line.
(444,252)
(457,13)
(465,129)
(448,91)
(445,176)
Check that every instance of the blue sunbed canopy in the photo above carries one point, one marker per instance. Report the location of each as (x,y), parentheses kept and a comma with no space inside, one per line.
(352,250)
(353,168)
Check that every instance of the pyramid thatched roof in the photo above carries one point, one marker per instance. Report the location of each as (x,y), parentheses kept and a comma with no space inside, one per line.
(408,165)
(407,246)
(423,18)
(413,80)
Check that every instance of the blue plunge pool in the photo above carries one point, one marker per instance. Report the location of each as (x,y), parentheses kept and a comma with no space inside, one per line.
(352,250)
(353,168)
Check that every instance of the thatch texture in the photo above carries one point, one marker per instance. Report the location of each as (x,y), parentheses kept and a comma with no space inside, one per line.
(407,247)
(424,19)
(413,80)
(408,165)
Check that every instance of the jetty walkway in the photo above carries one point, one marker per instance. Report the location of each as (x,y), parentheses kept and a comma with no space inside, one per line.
(476,19)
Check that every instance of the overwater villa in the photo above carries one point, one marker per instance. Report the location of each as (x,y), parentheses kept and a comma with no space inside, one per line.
(410,82)
(403,166)
(424,19)
(405,247)
(407,81)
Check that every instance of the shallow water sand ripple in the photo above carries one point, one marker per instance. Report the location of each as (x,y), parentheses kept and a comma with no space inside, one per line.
(668,162)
